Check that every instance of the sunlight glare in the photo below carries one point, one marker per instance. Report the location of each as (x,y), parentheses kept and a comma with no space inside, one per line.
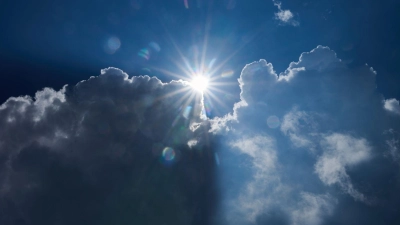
(199,83)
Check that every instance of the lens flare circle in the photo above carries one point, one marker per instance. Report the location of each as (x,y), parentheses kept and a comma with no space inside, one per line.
(273,122)
(168,154)
(199,83)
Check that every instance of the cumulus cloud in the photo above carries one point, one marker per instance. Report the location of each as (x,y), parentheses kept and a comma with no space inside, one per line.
(310,145)
(284,16)
(328,140)
(110,149)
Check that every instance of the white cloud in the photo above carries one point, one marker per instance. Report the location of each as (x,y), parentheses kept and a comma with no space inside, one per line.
(332,119)
(392,105)
(285,16)
(192,143)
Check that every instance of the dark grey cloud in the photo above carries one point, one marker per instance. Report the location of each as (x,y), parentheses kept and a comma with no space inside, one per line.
(109,150)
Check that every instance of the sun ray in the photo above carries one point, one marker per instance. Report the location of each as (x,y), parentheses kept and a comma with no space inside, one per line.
(175,93)
(189,99)
(182,68)
(204,77)
(183,58)
(216,84)
(176,75)
(212,96)
(234,53)
(206,33)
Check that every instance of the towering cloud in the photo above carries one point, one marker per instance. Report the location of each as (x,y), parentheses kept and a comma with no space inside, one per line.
(329,142)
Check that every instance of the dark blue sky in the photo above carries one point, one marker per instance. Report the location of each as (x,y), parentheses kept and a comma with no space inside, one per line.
(50,43)
(308,136)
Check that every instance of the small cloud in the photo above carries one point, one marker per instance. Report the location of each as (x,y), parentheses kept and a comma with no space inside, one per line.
(285,16)
(192,143)
(392,105)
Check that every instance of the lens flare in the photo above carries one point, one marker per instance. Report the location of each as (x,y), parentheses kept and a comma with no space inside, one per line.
(144,53)
(227,73)
(186,112)
(273,121)
(112,45)
(156,47)
(203,72)
(168,154)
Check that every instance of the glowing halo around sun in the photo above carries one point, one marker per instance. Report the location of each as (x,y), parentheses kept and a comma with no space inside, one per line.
(199,83)
(206,77)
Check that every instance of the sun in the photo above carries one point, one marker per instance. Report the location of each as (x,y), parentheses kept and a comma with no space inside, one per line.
(199,83)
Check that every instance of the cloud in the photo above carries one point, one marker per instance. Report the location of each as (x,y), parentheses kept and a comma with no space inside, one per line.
(394,149)
(314,144)
(292,122)
(261,195)
(393,143)
(327,138)
(110,149)
(263,162)
(313,208)
(341,151)
(392,105)
(284,16)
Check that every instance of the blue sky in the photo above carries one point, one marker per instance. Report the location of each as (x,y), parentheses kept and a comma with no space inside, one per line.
(302,111)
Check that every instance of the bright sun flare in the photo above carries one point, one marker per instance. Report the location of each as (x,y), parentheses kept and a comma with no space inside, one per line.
(199,83)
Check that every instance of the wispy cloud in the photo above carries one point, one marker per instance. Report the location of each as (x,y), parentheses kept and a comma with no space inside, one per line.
(340,152)
(261,151)
(313,208)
